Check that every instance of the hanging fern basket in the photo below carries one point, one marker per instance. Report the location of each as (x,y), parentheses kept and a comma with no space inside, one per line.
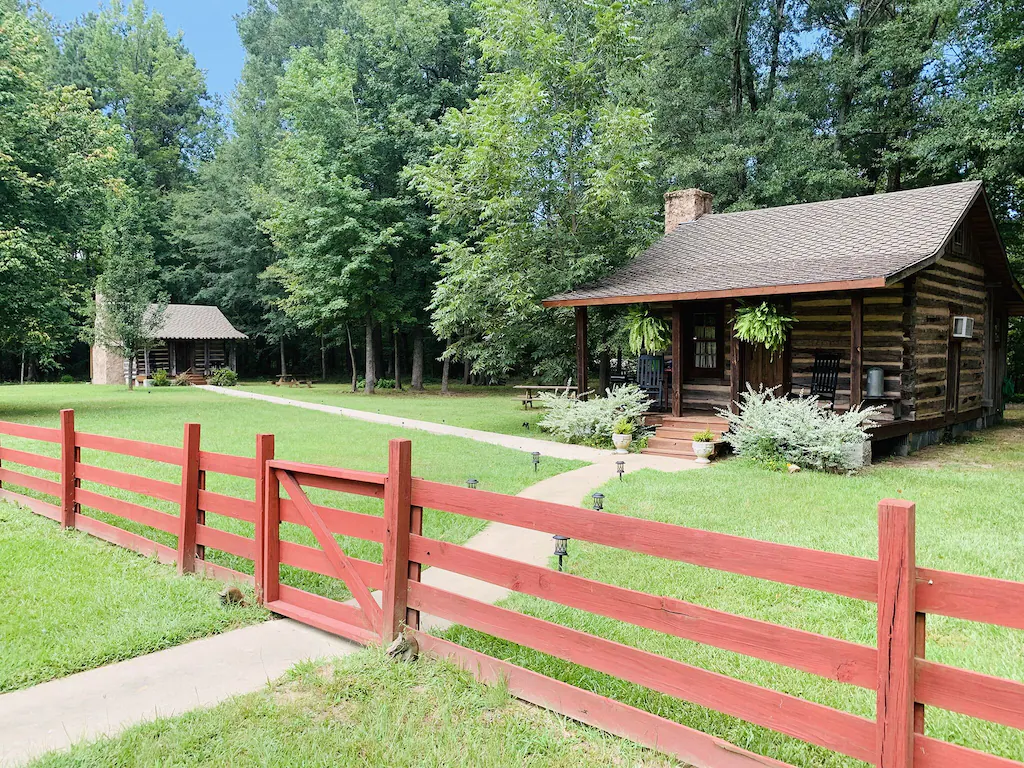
(763,324)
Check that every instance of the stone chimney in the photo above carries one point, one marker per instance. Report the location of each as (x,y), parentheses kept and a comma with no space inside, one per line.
(685,205)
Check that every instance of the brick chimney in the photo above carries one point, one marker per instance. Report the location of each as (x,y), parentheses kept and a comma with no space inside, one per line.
(685,205)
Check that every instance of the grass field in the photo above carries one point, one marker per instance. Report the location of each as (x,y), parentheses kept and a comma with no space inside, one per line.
(493,409)
(970,504)
(228,426)
(362,710)
(72,602)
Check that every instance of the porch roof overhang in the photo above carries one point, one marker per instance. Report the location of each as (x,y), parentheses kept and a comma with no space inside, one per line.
(858,243)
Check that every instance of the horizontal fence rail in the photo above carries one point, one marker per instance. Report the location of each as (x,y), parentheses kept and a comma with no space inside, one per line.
(904,680)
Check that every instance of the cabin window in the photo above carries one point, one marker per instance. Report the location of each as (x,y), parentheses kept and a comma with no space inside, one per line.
(958,236)
(705,341)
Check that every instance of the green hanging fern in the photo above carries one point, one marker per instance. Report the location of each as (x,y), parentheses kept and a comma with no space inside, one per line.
(763,324)
(646,333)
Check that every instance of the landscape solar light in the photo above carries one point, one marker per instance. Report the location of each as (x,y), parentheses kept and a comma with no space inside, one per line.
(471,483)
(561,548)
(598,501)
(620,467)
(536,459)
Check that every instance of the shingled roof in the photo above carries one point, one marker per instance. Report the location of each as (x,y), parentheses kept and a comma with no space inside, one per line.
(857,242)
(196,321)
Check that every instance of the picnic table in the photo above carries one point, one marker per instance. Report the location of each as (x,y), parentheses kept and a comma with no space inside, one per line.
(293,381)
(528,398)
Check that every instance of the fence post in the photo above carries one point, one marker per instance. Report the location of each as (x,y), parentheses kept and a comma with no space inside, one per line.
(264,453)
(270,517)
(189,515)
(67,468)
(397,521)
(897,574)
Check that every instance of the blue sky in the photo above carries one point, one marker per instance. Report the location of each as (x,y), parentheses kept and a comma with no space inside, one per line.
(208,26)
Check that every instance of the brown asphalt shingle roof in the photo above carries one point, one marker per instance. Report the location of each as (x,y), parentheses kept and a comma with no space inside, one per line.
(196,321)
(857,238)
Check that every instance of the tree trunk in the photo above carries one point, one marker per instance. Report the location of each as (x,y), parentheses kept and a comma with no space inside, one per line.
(778,22)
(379,361)
(131,372)
(398,359)
(352,357)
(446,365)
(371,364)
(467,371)
(284,370)
(23,366)
(323,357)
(604,374)
(417,360)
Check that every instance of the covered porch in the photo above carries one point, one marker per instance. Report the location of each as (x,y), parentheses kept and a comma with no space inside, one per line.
(706,366)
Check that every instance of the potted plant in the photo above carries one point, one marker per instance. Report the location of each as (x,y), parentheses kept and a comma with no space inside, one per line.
(622,434)
(704,446)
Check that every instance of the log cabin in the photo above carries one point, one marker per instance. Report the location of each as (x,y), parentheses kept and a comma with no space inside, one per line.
(914,283)
(193,339)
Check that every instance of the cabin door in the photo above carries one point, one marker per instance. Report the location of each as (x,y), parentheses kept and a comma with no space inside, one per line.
(759,369)
(184,356)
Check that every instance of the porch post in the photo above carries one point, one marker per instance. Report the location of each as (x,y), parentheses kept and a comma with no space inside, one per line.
(856,347)
(735,372)
(582,362)
(206,357)
(677,359)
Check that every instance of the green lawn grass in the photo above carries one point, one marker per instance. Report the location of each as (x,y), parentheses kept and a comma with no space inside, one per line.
(970,504)
(72,602)
(492,409)
(230,426)
(363,710)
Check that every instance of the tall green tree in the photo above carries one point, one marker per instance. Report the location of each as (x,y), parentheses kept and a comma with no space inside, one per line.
(58,166)
(543,180)
(145,78)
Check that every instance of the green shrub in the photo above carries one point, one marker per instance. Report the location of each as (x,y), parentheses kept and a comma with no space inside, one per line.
(67,378)
(161,378)
(223,377)
(592,421)
(385,383)
(776,431)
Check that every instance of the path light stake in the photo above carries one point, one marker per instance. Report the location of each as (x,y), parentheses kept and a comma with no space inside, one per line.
(536,459)
(620,467)
(561,548)
(471,483)
(598,501)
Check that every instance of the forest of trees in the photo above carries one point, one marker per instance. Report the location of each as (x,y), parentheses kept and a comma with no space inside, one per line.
(394,182)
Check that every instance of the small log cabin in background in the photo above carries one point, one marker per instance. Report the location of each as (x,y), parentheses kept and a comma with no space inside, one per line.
(193,339)
(877,279)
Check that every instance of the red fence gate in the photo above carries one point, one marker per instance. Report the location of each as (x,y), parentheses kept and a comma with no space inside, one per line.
(895,668)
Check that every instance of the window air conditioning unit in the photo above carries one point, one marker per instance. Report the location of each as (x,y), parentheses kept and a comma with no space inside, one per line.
(963,327)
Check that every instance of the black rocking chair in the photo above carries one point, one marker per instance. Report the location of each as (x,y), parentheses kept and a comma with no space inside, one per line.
(650,370)
(825,377)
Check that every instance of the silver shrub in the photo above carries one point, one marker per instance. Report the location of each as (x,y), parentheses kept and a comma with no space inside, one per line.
(780,430)
(577,421)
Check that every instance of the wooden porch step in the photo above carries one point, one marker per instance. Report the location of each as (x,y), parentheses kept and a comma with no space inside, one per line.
(714,423)
(686,432)
(659,443)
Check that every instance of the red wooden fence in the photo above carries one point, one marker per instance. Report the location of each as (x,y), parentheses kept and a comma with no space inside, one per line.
(896,668)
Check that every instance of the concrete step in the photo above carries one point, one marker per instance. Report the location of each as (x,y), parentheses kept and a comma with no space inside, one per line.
(673,454)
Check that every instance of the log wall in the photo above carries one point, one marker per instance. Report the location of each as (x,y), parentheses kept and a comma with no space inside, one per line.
(955,285)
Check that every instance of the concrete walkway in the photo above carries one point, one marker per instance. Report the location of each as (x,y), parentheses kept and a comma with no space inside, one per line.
(106,700)
(528,444)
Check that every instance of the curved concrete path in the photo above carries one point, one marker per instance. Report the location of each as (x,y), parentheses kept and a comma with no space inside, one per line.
(528,444)
(105,701)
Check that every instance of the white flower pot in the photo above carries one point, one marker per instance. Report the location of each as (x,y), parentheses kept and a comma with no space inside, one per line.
(622,442)
(702,451)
